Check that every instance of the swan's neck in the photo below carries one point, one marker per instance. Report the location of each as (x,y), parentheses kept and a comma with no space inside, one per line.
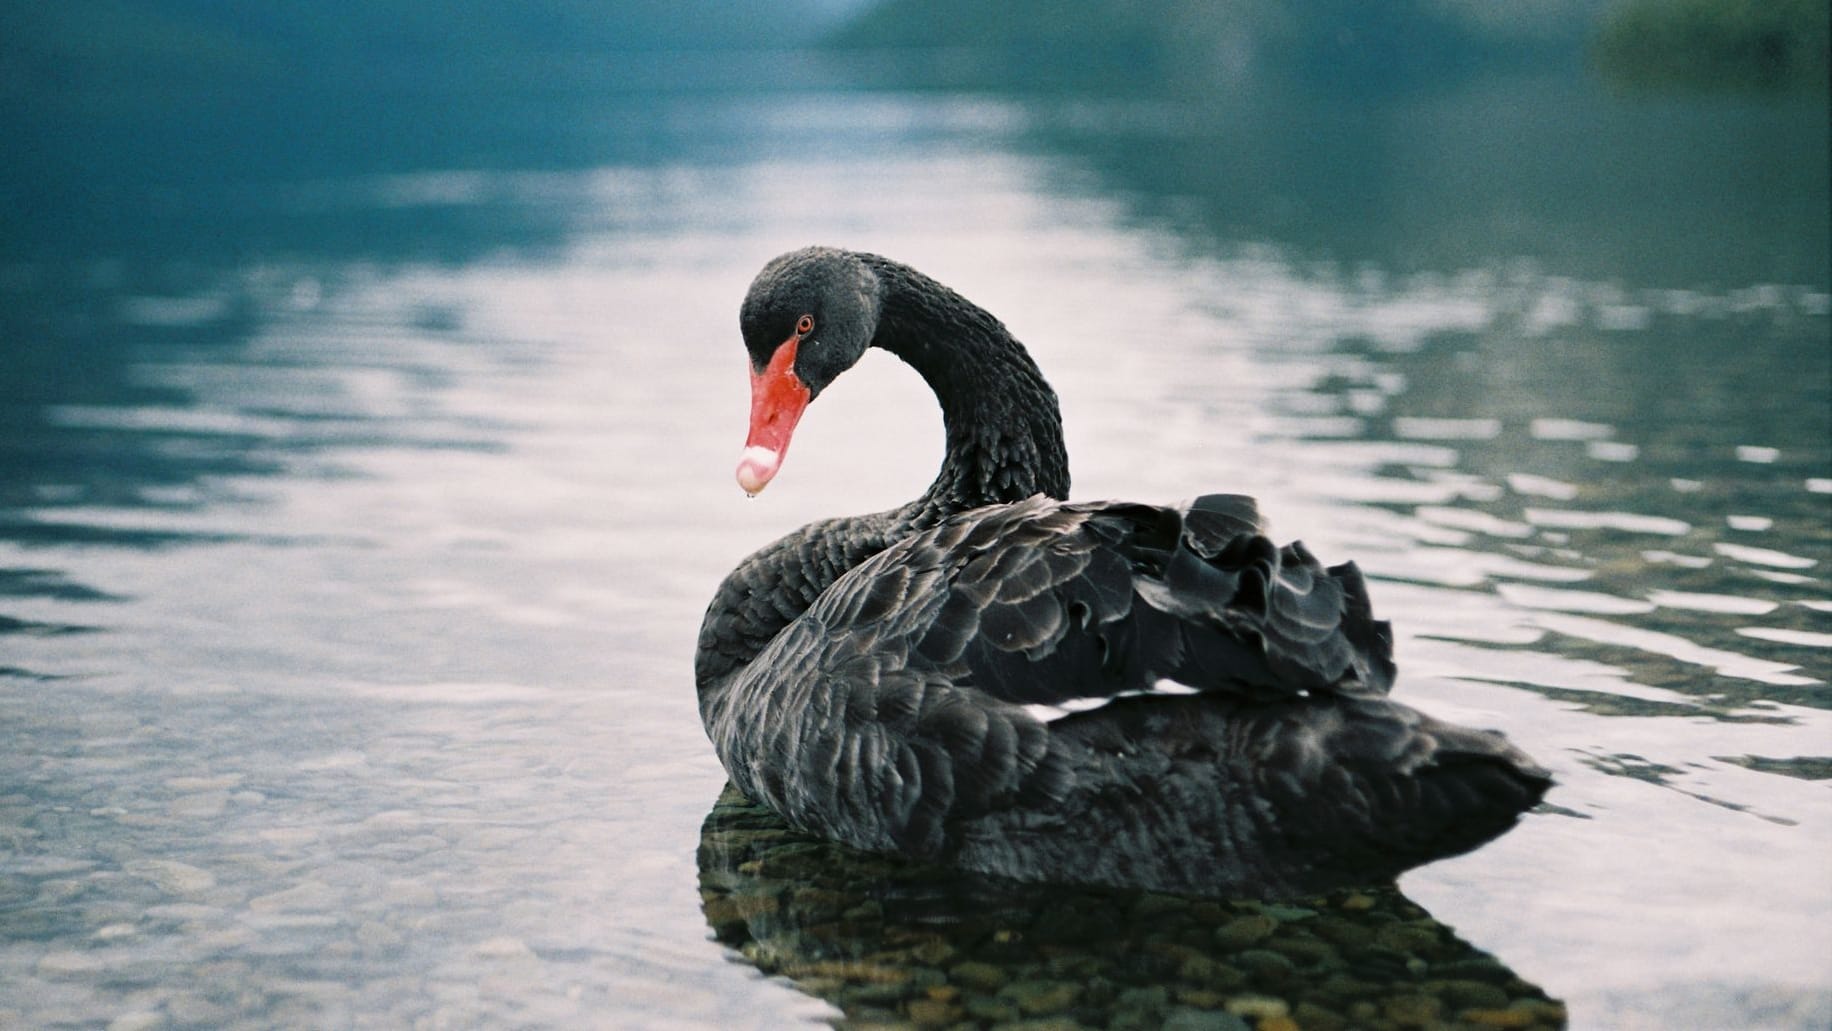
(1004,429)
(1004,443)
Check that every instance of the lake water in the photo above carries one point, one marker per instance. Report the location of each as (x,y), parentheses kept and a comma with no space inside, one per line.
(356,523)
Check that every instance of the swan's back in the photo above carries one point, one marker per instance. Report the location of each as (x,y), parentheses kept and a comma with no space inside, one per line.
(1109,692)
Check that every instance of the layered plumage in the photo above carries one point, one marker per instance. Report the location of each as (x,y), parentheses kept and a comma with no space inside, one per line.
(1100,692)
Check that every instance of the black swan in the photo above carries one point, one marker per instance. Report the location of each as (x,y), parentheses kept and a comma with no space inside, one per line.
(1108,693)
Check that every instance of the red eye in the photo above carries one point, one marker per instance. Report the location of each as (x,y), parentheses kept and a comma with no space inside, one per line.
(804,325)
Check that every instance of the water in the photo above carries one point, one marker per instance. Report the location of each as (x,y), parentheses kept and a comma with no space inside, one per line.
(356,524)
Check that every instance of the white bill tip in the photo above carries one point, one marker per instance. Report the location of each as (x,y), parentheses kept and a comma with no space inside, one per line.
(756,467)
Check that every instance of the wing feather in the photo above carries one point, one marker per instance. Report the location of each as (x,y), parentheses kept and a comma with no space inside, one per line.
(918,664)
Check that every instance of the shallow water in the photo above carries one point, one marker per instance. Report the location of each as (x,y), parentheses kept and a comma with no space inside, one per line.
(350,570)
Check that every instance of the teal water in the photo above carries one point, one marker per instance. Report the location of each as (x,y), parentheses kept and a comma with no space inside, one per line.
(356,521)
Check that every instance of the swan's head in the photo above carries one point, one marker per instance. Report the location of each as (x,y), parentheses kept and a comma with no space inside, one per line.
(809,316)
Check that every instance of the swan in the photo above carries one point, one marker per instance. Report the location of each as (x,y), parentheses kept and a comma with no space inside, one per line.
(999,679)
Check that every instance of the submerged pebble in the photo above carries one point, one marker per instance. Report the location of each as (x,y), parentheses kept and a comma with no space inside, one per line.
(1257,1006)
(1187,1019)
(1040,997)
(1244,931)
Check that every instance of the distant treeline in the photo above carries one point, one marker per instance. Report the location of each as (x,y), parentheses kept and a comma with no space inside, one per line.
(1735,43)
(1198,43)
(1705,43)
(144,50)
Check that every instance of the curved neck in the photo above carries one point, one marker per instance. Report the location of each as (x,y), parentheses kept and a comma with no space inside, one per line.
(1004,429)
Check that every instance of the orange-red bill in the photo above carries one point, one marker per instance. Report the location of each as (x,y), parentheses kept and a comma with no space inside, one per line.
(778,398)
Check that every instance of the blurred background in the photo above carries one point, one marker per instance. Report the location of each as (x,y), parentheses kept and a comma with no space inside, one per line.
(370,389)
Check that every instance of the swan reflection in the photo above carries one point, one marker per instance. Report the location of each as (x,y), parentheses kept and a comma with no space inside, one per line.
(892,942)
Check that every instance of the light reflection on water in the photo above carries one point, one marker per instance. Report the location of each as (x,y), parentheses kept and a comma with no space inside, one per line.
(348,636)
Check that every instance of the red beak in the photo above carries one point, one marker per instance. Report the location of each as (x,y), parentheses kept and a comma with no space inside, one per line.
(778,398)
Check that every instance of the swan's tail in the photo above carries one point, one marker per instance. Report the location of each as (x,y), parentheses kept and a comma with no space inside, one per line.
(1286,797)
(1363,789)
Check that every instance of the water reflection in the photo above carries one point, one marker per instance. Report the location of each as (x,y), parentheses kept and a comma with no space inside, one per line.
(355,520)
(892,943)
(1670,537)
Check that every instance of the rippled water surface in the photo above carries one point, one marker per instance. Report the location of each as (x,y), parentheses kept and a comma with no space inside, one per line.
(350,570)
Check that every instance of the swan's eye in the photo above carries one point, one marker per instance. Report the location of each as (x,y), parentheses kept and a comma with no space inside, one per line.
(804,325)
